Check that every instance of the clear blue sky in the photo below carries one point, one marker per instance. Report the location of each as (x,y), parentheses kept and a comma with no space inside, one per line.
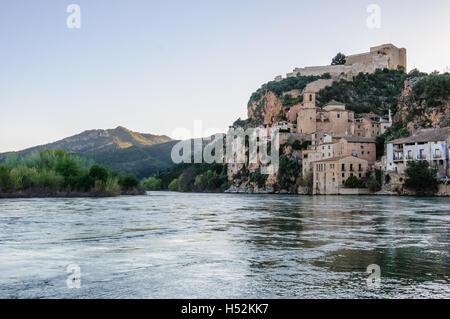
(154,66)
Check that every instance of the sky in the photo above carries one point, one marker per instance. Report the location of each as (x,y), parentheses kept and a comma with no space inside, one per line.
(160,66)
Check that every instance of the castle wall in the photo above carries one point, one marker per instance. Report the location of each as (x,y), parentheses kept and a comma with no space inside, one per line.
(380,57)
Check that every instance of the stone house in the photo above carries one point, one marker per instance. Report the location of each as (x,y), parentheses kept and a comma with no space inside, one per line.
(371,125)
(330,174)
(333,117)
(360,147)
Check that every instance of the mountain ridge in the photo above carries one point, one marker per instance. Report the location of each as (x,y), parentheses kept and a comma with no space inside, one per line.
(120,149)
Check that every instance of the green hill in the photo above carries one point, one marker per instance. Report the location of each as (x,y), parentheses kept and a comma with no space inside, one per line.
(119,148)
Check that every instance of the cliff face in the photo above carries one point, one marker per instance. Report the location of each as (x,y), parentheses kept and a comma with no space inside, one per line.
(425,103)
(267,109)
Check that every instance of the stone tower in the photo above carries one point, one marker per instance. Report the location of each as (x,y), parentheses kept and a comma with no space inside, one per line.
(306,119)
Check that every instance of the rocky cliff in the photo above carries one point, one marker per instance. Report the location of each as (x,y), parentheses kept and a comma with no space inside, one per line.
(425,103)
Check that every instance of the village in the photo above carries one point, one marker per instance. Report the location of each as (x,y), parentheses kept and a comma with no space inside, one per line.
(342,144)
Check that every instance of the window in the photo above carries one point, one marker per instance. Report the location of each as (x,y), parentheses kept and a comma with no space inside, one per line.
(343,167)
(339,115)
(409,155)
(362,152)
(437,153)
(359,175)
(343,174)
(310,98)
(360,168)
(422,154)
(351,167)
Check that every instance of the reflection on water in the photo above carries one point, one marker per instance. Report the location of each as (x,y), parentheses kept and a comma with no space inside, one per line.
(225,246)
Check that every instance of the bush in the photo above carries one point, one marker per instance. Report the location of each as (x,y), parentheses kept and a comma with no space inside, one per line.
(373,185)
(5,179)
(200,183)
(288,172)
(50,179)
(339,59)
(98,172)
(129,182)
(112,187)
(420,178)
(258,178)
(152,184)
(173,186)
(299,145)
(352,182)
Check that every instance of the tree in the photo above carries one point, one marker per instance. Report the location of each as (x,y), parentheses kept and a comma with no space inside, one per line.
(98,172)
(339,59)
(352,182)
(5,179)
(420,178)
(173,186)
(152,184)
(128,182)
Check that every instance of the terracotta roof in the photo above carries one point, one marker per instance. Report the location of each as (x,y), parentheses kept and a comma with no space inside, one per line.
(358,139)
(334,102)
(335,159)
(425,135)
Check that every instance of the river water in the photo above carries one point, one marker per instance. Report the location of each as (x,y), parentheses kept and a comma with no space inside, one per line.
(172,245)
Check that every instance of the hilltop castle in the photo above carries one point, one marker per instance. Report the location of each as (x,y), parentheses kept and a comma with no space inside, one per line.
(380,57)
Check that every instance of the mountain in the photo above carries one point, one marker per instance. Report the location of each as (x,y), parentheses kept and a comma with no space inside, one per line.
(119,148)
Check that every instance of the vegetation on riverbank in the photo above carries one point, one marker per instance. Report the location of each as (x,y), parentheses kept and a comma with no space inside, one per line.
(56,173)
(190,178)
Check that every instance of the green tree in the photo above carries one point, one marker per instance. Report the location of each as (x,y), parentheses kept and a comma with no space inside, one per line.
(352,182)
(5,179)
(98,172)
(339,59)
(288,172)
(129,182)
(173,186)
(420,178)
(152,184)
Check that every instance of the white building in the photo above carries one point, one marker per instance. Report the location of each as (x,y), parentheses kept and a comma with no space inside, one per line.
(431,145)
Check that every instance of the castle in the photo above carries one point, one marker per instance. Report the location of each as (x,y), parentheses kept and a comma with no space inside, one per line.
(380,57)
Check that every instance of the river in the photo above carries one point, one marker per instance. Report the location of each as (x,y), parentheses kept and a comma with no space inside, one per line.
(177,245)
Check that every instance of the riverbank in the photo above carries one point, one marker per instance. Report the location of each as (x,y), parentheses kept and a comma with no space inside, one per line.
(48,193)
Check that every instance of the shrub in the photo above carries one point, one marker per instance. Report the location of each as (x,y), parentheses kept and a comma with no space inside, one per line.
(23,177)
(98,172)
(112,187)
(186,180)
(373,185)
(288,172)
(173,186)
(129,182)
(152,184)
(5,179)
(50,179)
(258,178)
(352,182)
(420,178)
(339,59)
(200,183)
